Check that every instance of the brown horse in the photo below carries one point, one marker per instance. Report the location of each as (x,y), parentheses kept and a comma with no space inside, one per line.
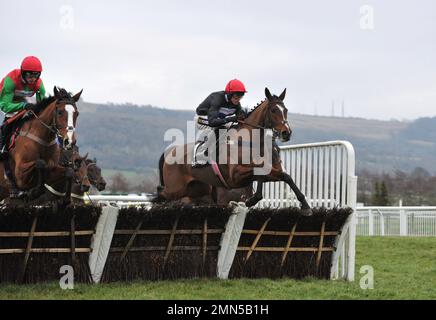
(94,174)
(88,173)
(61,188)
(36,146)
(180,181)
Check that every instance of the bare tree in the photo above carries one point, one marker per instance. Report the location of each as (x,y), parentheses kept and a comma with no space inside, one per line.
(119,183)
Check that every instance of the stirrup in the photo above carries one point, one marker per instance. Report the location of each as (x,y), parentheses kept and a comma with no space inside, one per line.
(17,194)
(199,163)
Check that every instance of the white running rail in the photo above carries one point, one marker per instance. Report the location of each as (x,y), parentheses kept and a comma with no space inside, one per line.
(118,200)
(396,221)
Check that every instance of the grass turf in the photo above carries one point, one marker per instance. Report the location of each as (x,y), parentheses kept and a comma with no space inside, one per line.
(404,268)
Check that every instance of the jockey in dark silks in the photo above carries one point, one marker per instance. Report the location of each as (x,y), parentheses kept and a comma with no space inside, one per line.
(15,89)
(218,109)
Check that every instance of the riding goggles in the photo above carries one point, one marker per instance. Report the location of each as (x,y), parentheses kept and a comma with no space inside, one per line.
(31,75)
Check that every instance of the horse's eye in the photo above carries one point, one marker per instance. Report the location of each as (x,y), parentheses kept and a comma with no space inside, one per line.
(274,110)
(60,112)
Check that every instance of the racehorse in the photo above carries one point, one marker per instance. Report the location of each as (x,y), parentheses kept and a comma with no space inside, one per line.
(64,189)
(88,173)
(181,181)
(94,174)
(35,146)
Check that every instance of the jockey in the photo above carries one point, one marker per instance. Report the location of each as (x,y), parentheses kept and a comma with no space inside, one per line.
(218,109)
(18,86)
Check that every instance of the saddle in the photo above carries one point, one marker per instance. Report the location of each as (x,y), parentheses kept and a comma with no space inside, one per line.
(15,122)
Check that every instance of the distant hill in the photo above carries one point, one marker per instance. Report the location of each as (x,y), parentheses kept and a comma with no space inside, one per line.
(129,137)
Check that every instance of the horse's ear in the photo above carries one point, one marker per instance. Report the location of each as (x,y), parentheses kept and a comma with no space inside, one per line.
(86,156)
(268,94)
(76,97)
(95,160)
(283,95)
(56,92)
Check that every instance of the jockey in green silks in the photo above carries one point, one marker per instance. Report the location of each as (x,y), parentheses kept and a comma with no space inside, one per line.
(15,89)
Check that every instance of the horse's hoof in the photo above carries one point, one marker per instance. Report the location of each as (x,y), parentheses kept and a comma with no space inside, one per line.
(307,212)
(18,195)
(252,201)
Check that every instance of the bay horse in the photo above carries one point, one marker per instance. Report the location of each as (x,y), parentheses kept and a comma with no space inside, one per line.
(180,181)
(94,174)
(88,174)
(37,144)
(65,189)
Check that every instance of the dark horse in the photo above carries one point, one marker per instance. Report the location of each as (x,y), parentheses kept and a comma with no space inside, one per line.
(58,189)
(94,174)
(88,173)
(34,157)
(180,181)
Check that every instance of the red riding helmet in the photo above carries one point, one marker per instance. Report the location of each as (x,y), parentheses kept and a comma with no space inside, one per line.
(235,86)
(31,63)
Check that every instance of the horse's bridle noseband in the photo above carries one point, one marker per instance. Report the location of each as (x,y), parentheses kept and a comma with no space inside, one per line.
(53,128)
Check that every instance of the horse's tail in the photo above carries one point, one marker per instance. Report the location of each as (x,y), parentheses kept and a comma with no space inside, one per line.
(161,163)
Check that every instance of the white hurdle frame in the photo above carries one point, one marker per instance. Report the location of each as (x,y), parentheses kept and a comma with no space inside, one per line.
(325,174)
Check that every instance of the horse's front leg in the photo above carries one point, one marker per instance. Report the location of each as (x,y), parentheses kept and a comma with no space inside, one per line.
(41,167)
(305,208)
(69,173)
(257,195)
(39,189)
(63,176)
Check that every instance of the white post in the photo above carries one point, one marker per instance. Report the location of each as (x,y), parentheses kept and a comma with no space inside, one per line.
(352,230)
(101,241)
(382,223)
(370,223)
(403,223)
(230,239)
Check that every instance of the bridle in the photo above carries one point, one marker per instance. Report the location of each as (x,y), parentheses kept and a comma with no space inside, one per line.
(268,125)
(91,181)
(76,168)
(53,128)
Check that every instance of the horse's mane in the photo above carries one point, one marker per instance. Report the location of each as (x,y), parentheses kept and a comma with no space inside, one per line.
(259,104)
(63,95)
(254,109)
(44,103)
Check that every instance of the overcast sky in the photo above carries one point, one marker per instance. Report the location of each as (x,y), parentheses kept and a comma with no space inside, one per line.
(172,54)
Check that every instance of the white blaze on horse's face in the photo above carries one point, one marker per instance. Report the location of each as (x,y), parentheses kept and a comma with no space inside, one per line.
(282,110)
(70,122)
